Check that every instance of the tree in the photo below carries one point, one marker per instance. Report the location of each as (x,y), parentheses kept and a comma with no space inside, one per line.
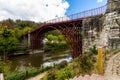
(16,32)
(50,37)
(60,38)
(8,42)
(26,29)
(9,22)
(22,24)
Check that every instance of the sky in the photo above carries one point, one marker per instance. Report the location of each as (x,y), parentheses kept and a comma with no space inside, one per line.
(77,6)
(43,10)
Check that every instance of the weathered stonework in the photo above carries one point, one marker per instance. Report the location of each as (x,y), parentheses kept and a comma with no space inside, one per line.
(113,32)
(92,28)
(113,5)
(105,29)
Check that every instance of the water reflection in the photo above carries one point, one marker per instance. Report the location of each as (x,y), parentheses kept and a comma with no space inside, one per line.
(38,60)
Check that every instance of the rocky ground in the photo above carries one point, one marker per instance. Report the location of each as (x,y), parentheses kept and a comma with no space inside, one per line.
(112,71)
(87,77)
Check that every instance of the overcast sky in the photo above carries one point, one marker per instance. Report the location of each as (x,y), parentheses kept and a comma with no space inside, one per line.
(43,10)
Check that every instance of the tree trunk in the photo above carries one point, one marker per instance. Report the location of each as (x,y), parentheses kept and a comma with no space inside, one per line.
(4,58)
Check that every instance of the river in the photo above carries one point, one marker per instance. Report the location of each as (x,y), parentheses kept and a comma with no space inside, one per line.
(38,60)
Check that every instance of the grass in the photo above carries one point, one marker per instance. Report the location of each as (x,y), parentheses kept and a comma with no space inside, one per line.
(22,75)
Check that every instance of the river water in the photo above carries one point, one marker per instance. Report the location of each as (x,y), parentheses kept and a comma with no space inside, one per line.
(38,60)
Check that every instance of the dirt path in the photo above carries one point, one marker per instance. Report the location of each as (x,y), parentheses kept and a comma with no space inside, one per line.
(38,77)
(1,76)
(112,71)
(88,77)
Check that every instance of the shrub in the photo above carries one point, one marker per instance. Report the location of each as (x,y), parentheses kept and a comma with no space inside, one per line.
(55,46)
(50,75)
(16,76)
(64,74)
(93,49)
(84,64)
(3,67)
(25,74)
(79,66)
(61,65)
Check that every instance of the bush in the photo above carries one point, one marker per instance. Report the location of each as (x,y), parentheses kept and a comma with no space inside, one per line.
(55,46)
(51,75)
(59,74)
(16,76)
(85,64)
(61,65)
(64,74)
(93,50)
(25,74)
(3,67)
(80,66)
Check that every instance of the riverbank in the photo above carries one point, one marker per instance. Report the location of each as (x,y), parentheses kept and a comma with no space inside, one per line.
(22,62)
(28,65)
(25,74)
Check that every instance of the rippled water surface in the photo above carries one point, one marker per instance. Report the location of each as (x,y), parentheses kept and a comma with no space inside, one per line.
(38,60)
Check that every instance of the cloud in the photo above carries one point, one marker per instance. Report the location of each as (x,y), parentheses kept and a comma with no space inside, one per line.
(99,1)
(35,10)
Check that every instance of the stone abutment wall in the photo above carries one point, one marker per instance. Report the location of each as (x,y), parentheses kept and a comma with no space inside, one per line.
(103,30)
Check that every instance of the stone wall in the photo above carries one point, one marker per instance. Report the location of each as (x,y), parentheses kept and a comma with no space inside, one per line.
(92,28)
(113,5)
(112,22)
(103,30)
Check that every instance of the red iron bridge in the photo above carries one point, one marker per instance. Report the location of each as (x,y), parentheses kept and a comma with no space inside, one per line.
(69,26)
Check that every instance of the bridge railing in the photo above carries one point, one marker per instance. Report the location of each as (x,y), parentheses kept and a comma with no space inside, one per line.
(84,14)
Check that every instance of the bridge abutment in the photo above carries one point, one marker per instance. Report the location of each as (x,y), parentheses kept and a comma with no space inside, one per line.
(107,33)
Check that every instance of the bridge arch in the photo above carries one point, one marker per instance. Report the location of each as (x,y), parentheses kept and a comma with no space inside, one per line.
(70,30)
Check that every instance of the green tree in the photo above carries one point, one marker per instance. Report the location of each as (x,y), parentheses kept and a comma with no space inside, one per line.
(8,42)
(26,29)
(9,22)
(50,37)
(22,24)
(61,38)
(16,32)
